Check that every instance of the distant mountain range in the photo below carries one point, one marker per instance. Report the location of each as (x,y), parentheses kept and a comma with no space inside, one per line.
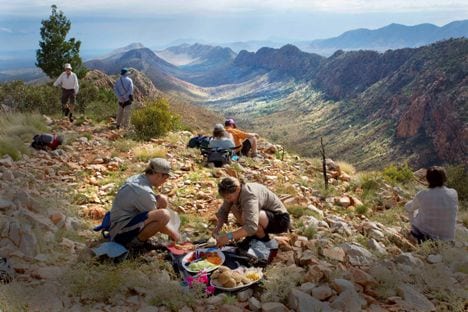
(397,96)
(393,36)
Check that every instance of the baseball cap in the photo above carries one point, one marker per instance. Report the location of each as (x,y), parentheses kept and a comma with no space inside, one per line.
(159,165)
(230,122)
(218,127)
(124,70)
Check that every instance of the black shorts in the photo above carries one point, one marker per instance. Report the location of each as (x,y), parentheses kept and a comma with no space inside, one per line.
(419,235)
(278,222)
(136,223)
(246,147)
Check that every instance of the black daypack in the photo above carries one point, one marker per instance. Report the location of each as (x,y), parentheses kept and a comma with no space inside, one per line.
(200,141)
(40,141)
(219,157)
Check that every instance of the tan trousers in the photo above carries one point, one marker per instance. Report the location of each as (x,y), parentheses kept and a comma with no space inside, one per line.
(123,116)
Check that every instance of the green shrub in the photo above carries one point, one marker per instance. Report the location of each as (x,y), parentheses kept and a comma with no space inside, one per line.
(97,103)
(362,209)
(154,119)
(457,178)
(398,174)
(17,131)
(281,279)
(30,98)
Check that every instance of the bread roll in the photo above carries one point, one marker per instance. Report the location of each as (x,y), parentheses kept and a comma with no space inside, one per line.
(237,276)
(230,283)
(224,277)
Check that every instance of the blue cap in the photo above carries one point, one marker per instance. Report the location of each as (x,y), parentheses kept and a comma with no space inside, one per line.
(123,71)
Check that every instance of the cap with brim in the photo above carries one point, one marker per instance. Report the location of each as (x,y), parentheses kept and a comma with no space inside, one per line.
(123,71)
(67,66)
(229,122)
(218,127)
(160,165)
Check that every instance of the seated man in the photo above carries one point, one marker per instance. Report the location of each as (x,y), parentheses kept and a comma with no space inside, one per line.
(255,207)
(433,212)
(247,140)
(137,212)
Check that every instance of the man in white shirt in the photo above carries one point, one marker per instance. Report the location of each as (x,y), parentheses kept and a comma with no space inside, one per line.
(433,212)
(69,83)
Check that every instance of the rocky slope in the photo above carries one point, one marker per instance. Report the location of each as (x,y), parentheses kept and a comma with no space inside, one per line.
(335,259)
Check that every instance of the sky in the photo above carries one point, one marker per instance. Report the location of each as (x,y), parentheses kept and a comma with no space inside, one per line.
(110,24)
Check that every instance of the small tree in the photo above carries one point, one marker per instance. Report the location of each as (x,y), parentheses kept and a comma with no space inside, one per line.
(54,50)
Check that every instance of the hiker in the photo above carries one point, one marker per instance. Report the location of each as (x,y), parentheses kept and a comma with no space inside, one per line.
(137,212)
(221,138)
(433,212)
(69,83)
(46,141)
(123,89)
(258,210)
(247,141)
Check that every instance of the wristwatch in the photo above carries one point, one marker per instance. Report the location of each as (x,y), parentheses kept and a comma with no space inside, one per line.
(230,236)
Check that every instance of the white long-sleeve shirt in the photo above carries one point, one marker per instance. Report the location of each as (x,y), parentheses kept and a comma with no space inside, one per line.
(68,81)
(434,212)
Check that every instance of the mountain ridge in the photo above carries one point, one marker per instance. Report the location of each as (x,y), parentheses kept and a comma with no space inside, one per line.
(392,36)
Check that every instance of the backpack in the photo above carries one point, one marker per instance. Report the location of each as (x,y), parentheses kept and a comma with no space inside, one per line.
(219,157)
(200,141)
(105,225)
(40,141)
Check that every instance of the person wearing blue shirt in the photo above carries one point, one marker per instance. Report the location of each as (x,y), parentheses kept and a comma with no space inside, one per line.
(123,89)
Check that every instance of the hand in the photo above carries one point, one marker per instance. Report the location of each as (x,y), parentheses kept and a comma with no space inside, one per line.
(175,237)
(221,240)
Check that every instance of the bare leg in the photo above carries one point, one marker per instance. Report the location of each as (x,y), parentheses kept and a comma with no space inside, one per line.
(156,223)
(262,224)
(253,142)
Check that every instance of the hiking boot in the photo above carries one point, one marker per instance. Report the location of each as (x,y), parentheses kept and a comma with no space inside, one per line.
(70,117)
(66,111)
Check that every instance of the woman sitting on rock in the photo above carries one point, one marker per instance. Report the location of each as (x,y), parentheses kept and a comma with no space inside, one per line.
(433,212)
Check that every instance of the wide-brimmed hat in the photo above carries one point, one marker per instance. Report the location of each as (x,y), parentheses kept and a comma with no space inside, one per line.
(67,66)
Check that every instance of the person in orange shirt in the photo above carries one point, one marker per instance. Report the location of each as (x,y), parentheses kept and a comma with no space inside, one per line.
(247,141)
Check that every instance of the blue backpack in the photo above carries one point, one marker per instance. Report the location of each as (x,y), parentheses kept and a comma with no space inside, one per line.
(105,226)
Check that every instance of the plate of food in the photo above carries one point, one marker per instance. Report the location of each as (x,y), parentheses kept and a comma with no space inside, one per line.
(179,249)
(203,259)
(231,280)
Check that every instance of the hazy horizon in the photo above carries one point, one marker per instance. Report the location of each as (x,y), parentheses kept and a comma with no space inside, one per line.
(110,24)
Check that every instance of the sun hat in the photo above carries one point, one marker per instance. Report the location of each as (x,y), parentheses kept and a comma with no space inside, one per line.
(67,66)
(159,165)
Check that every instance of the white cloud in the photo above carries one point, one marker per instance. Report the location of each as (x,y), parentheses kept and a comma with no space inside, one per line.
(6,30)
(156,7)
